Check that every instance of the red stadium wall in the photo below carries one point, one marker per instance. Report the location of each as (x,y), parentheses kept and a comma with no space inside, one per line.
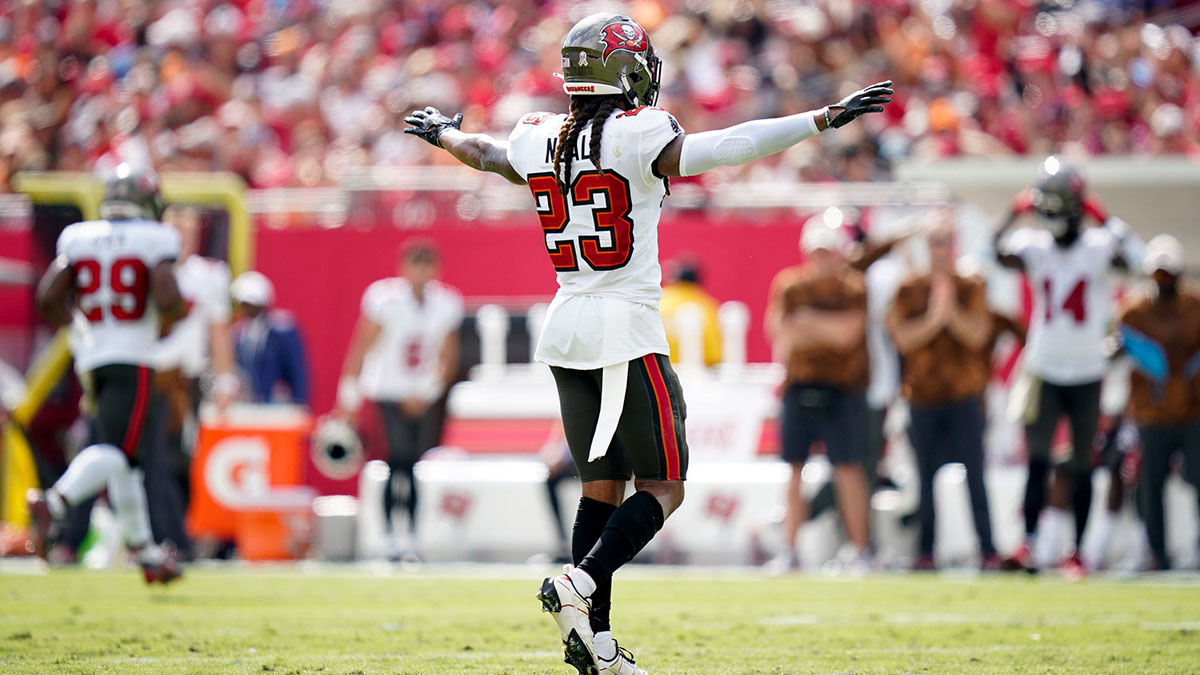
(320,274)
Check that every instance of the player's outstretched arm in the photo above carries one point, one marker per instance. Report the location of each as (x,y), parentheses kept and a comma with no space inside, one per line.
(693,154)
(478,151)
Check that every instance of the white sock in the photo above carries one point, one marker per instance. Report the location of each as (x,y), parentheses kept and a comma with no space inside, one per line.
(128,498)
(583,582)
(89,472)
(1053,527)
(1094,555)
(605,645)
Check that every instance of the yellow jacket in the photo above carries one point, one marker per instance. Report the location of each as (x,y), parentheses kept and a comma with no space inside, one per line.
(679,293)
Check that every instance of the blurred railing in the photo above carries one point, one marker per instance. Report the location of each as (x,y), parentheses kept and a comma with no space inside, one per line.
(417,197)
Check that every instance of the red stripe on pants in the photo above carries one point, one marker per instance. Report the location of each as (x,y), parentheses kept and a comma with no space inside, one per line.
(666,419)
(137,417)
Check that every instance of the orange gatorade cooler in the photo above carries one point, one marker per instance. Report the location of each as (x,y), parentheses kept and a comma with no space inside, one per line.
(247,479)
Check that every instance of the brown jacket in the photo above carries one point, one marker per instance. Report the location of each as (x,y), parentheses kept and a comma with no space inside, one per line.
(1175,324)
(796,288)
(944,370)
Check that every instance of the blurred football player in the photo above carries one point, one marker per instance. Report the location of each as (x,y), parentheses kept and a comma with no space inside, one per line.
(599,175)
(1161,333)
(403,357)
(943,329)
(1071,272)
(112,283)
(194,359)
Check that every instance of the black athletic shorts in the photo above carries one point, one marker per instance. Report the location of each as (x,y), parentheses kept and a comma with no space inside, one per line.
(814,413)
(123,396)
(1080,405)
(408,438)
(649,442)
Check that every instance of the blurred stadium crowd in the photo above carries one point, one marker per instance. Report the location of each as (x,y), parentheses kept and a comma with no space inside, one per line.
(291,92)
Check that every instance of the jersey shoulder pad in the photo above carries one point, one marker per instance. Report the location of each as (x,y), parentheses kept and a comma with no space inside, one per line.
(69,236)
(526,142)
(536,118)
(378,294)
(216,267)
(386,287)
(449,296)
(533,122)
(647,117)
(1098,236)
(161,242)
(214,272)
(1028,238)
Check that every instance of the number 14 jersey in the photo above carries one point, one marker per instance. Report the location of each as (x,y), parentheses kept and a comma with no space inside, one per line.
(602,236)
(112,262)
(1073,302)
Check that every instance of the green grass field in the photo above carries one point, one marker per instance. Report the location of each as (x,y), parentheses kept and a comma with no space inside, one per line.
(485,620)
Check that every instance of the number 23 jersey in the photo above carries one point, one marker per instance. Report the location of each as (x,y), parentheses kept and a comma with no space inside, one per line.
(602,237)
(112,262)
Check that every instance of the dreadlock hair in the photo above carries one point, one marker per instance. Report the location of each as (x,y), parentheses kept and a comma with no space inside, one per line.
(584,109)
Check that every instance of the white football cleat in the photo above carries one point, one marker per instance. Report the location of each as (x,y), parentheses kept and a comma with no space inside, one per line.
(621,664)
(572,613)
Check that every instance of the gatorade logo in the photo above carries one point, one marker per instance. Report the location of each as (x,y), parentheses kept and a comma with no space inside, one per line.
(236,472)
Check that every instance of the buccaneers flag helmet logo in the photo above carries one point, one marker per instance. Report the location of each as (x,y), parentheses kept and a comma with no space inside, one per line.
(617,36)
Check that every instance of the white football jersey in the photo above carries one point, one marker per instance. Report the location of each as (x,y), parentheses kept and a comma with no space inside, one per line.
(602,237)
(403,361)
(1073,303)
(204,284)
(112,262)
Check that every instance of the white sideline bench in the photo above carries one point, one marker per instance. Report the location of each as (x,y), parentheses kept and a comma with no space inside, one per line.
(496,509)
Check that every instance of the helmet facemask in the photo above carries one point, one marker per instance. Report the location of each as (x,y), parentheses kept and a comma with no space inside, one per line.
(651,70)
(1058,198)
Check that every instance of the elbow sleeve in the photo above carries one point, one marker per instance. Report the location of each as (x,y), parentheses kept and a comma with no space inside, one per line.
(744,142)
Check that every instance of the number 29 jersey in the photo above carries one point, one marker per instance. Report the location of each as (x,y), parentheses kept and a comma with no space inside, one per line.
(111,262)
(602,236)
(1073,299)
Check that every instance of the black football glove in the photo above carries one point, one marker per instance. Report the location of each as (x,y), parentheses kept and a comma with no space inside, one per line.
(430,123)
(868,100)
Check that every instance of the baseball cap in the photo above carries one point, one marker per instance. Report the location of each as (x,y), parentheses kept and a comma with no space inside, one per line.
(253,288)
(1165,253)
(817,236)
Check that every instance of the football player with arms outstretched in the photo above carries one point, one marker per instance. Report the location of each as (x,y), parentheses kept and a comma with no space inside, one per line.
(112,283)
(1071,272)
(598,176)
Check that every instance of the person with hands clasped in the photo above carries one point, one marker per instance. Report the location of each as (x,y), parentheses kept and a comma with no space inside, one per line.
(942,328)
